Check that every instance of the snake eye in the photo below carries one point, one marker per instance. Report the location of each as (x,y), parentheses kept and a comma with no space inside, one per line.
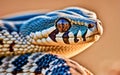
(90,25)
(63,24)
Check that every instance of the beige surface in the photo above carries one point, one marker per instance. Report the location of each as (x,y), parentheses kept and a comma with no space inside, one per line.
(101,55)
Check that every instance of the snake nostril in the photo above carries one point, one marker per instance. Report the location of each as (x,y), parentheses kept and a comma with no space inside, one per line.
(90,25)
(63,24)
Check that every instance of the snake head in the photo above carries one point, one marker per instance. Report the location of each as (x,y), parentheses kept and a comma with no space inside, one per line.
(79,26)
(66,32)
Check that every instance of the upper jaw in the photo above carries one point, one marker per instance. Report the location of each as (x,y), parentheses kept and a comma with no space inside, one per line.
(97,33)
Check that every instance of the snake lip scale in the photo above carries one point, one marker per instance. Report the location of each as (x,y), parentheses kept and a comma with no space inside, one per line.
(32,44)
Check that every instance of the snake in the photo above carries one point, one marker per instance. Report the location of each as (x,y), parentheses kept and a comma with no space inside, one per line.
(42,43)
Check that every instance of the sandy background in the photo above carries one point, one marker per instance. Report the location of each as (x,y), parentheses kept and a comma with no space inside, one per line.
(104,54)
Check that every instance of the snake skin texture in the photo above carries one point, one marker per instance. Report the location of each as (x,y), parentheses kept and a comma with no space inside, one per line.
(32,44)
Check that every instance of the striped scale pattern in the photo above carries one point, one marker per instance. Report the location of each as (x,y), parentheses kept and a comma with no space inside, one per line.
(64,32)
(49,32)
(40,64)
(37,63)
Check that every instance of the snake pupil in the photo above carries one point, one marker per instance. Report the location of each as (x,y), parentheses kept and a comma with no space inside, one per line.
(63,24)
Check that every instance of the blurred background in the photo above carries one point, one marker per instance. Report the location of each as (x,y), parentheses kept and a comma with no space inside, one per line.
(101,58)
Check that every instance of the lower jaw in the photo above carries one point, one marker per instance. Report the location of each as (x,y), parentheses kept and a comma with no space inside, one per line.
(70,51)
(92,38)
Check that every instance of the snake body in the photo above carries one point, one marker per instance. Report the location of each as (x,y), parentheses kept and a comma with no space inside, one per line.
(31,44)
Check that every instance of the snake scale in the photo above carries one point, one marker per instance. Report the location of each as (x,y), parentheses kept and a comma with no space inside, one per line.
(32,44)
